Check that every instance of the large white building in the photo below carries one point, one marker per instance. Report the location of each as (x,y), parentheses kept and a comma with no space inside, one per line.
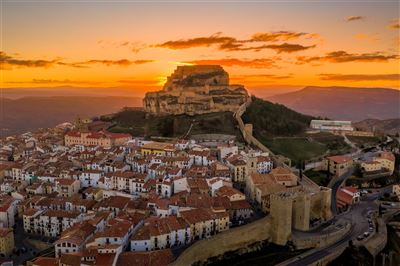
(50,223)
(331,125)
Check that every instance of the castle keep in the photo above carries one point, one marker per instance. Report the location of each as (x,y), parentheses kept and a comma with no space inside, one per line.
(196,90)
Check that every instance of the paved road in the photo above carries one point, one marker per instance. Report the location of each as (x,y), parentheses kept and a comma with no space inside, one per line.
(335,187)
(377,193)
(358,217)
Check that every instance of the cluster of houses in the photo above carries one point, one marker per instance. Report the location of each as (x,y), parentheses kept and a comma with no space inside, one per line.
(106,198)
(382,164)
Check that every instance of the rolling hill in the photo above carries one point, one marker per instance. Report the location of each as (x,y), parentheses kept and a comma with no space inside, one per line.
(388,126)
(343,103)
(30,113)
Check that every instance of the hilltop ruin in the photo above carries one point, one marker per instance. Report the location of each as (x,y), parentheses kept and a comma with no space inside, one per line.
(196,90)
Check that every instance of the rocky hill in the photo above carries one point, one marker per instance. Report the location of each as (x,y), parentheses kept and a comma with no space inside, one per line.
(193,90)
(278,127)
(268,119)
(343,103)
(388,126)
(141,123)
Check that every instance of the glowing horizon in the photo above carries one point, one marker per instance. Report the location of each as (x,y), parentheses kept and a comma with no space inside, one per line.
(137,45)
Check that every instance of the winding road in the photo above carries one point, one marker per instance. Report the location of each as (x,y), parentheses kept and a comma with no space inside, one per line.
(335,187)
(359,220)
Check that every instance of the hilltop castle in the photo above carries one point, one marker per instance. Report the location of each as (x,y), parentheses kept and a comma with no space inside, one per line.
(196,90)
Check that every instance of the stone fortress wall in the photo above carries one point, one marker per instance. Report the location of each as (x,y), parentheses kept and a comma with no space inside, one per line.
(238,239)
(196,90)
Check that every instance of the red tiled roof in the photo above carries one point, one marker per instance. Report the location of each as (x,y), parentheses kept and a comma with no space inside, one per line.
(343,197)
(228,191)
(45,261)
(5,231)
(340,159)
(387,155)
(351,189)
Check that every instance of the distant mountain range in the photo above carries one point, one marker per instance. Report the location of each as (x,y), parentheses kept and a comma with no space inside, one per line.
(16,93)
(30,113)
(388,126)
(22,112)
(343,103)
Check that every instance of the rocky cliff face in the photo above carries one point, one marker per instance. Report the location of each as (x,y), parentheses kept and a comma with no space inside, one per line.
(196,90)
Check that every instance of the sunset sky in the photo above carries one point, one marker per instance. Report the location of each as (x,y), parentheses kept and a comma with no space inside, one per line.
(137,44)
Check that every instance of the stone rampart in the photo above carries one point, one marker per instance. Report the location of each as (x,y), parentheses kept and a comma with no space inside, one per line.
(232,240)
(322,240)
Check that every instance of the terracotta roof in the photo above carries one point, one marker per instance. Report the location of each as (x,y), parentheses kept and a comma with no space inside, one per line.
(200,215)
(343,197)
(240,204)
(5,231)
(45,261)
(71,259)
(228,191)
(117,228)
(387,155)
(283,174)
(61,214)
(261,159)
(5,202)
(340,159)
(77,233)
(198,183)
(350,189)
(117,202)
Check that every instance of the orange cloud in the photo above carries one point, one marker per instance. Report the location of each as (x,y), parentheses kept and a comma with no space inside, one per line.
(394,24)
(288,47)
(228,43)
(359,77)
(8,62)
(216,38)
(354,18)
(275,36)
(121,62)
(344,57)
(251,63)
